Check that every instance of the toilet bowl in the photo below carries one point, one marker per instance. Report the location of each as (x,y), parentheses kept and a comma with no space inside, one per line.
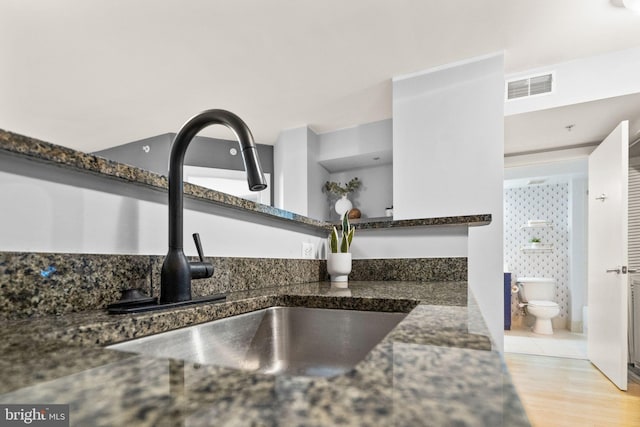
(543,311)
(537,296)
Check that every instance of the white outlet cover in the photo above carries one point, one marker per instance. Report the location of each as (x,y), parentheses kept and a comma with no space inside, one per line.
(307,250)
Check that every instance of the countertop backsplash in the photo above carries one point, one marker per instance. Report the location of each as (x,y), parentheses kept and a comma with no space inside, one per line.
(36,284)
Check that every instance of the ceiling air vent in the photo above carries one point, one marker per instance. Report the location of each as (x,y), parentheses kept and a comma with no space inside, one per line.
(529,86)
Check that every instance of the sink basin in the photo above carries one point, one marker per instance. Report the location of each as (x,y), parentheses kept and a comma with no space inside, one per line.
(276,340)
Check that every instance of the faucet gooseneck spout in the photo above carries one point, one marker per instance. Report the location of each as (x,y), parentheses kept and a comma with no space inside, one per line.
(177,271)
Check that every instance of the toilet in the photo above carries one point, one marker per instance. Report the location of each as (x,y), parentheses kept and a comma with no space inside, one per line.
(537,295)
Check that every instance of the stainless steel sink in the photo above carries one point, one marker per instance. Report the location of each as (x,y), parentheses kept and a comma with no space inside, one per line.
(276,340)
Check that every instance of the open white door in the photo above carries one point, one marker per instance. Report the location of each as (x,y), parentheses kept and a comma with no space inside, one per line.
(608,255)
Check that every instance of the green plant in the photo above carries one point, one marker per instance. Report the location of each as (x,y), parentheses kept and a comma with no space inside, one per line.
(340,190)
(346,237)
(535,240)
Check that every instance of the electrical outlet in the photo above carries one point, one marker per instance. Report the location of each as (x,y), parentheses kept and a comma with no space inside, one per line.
(307,250)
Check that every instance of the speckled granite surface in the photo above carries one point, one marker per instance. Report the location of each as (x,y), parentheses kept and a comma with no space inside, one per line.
(430,370)
(420,269)
(47,153)
(49,283)
(470,220)
(35,284)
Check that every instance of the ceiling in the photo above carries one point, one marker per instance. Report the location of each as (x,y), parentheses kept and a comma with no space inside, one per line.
(574,125)
(95,74)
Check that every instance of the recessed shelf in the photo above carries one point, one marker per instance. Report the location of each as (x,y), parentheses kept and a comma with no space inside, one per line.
(538,249)
(529,227)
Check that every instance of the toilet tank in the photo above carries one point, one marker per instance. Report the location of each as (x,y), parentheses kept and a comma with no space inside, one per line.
(537,288)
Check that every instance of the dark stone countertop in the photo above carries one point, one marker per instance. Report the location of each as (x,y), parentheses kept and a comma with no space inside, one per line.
(51,154)
(437,367)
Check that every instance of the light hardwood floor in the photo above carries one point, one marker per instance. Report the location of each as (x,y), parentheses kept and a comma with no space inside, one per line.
(571,392)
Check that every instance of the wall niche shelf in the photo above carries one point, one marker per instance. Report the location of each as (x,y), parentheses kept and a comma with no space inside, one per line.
(538,249)
(534,227)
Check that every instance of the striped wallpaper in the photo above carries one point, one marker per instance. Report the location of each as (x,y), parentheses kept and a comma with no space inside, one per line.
(634,213)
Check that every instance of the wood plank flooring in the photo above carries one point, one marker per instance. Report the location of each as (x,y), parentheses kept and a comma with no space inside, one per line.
(569,392)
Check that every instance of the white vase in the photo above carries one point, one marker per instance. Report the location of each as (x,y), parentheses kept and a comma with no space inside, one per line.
(343,205)
(339,267)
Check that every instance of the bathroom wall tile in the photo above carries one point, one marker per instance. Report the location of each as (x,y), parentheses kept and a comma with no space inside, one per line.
(542,202)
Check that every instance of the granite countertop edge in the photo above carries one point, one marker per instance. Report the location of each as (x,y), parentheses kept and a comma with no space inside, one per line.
(52,154)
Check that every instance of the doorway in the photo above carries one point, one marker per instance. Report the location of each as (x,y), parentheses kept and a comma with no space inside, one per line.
(571,342)
(545,219)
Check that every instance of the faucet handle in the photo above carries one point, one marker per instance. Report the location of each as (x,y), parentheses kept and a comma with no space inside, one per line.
(202,269)
(196,239)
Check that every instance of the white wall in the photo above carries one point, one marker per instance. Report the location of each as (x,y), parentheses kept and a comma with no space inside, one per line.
(448,146)
(559,169)
(359,140)
(543,159)
(436,242)
(350,152)
(578,232)
(302,146)
(290,170)
(55,210)
(375,193)
(317,176)
(299,175)
(586,79)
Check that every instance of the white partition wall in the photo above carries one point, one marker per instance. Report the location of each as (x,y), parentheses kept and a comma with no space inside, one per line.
(298,175)
(448,135)
(290,169)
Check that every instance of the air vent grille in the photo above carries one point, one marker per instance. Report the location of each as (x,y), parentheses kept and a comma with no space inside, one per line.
(535,85)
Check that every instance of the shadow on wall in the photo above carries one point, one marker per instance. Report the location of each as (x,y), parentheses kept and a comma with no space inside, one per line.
(129,224)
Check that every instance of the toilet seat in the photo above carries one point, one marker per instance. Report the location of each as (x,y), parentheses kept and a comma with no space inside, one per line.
(538,303)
